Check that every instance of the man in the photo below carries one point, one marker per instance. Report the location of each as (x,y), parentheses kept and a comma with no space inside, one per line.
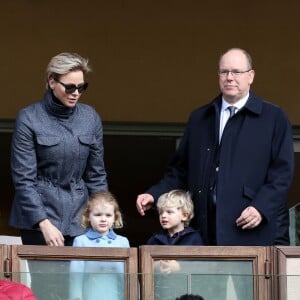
(237,168)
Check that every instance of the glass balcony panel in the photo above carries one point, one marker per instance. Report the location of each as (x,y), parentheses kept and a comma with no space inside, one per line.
(295,225)
(210,279)
(76,279)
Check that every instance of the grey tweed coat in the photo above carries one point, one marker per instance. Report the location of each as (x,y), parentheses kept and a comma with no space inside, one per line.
(56,163)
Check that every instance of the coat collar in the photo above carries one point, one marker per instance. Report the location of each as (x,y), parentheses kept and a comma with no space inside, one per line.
(254,104)
(164,237)
(55,107)
(92,234)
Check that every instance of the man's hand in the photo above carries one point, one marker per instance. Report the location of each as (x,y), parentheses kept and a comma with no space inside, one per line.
(143,203)
(249,218)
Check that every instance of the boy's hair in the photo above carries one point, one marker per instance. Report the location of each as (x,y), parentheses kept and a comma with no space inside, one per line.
(102,197)
(181,199)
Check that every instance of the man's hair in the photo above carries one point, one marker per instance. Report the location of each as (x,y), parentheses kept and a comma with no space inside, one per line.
(247,55)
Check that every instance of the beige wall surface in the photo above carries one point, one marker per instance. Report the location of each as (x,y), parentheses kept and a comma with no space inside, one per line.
(153,61)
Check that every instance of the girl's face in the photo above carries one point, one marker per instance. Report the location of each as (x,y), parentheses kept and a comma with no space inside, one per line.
(102,217)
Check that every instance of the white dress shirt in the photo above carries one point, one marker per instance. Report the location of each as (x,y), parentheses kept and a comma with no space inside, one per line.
(224,116)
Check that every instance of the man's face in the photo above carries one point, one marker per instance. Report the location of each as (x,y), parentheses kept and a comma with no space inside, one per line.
(236,84)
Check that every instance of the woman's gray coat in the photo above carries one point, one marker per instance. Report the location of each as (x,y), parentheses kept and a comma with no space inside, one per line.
(56,162)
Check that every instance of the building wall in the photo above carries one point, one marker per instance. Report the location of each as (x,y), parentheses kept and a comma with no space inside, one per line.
(153,61)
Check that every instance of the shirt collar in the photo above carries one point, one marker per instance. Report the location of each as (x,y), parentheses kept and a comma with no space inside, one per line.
(238,104)
(92,234)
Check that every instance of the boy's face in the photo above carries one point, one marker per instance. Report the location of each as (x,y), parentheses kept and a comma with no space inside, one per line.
(172,219)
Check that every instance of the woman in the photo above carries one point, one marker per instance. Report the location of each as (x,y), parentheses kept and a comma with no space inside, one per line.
(56,157)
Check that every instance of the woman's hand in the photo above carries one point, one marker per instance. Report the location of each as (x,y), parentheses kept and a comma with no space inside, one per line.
(52,235)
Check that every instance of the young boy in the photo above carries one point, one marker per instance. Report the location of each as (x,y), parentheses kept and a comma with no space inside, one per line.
(175,211)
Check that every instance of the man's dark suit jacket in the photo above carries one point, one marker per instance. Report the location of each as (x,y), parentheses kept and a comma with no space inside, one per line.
(256,162)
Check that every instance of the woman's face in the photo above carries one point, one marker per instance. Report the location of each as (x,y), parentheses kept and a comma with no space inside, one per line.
(67,99)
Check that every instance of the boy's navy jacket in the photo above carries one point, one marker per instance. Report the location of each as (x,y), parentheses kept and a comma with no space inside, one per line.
(186,237)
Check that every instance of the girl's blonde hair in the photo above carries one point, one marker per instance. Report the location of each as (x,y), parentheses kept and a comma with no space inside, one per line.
(102,197)
(181,199)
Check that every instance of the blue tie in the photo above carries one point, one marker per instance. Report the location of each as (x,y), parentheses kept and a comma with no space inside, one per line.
(231,110)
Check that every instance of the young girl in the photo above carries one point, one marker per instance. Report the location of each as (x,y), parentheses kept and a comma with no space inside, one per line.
(92,280)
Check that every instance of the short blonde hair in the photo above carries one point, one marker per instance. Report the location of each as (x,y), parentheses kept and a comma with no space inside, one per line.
(181,199)
(102,197)
(66,62)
